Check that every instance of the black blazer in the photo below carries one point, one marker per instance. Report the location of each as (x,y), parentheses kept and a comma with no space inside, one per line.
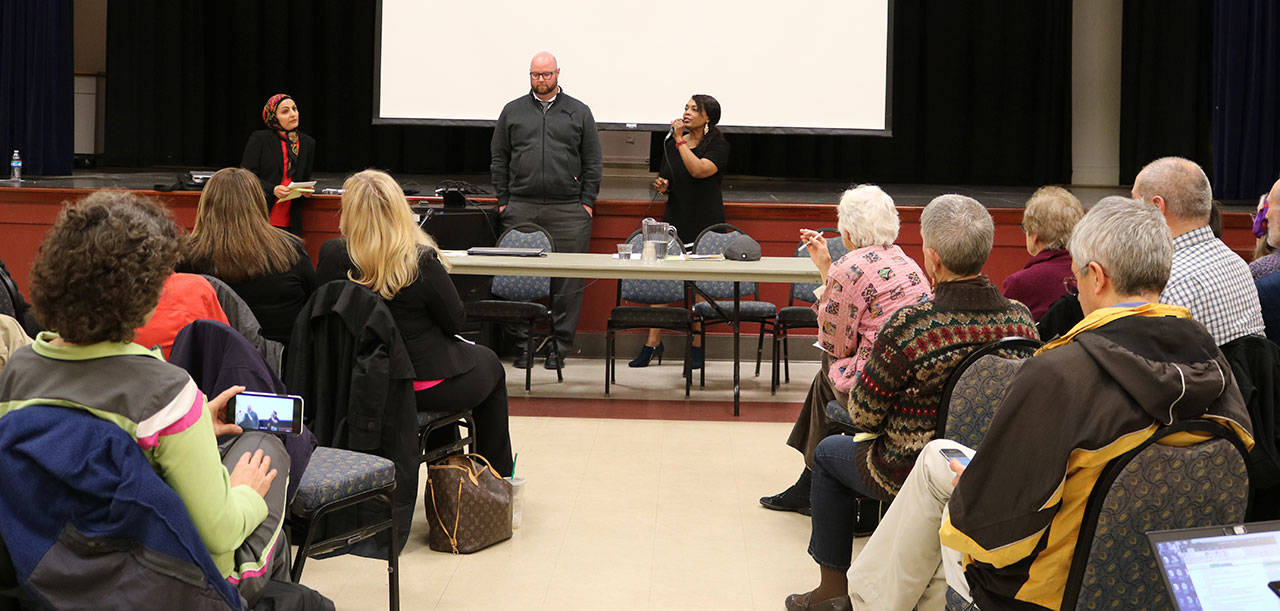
(263,157)
(428,313)
(274,298)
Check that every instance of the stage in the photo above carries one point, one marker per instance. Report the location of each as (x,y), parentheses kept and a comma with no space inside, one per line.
(772,211)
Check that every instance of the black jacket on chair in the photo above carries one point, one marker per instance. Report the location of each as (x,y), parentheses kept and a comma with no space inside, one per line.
(1254,361)
(347,360)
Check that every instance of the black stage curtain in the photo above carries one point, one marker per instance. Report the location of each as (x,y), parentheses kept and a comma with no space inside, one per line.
(981,95)
(1165,83)
(1246,97)
(187,80)
(36,80)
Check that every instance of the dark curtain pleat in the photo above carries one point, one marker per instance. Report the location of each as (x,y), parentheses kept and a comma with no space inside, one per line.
(982,95)
(36,86)
(1246,97)
(1165,83)
(187,80)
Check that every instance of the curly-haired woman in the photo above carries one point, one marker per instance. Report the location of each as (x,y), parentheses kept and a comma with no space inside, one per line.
(97,277)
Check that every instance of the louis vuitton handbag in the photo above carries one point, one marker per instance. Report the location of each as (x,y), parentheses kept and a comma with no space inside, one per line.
(467,504)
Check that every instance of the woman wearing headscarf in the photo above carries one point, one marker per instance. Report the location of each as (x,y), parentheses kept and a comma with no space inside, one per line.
(694,156)
(279,156)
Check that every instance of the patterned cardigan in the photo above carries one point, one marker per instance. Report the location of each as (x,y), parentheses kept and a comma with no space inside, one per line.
(897,395)
(863,289)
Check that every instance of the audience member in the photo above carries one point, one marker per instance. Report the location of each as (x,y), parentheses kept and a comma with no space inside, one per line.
(1266,228)
(21,309)
(232,241)
(184,298)
(1015,512)
(394,258)
(1207,278)
(860,291)
(12,337)
(1047,222)
(895,401)
(97,277)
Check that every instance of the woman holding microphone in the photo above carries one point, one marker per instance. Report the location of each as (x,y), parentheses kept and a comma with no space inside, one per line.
(280,156)
(692,159)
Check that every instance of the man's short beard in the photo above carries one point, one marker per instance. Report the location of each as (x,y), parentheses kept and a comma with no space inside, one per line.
(544,88)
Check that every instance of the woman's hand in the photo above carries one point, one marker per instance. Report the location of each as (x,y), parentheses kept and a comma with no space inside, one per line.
(958,469)
(677,129)
(660,185)
(281,191)
(254,471)
(817,247)
(217,406)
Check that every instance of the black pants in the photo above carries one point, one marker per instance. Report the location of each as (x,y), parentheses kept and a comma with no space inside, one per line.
(483,389)
(570,228)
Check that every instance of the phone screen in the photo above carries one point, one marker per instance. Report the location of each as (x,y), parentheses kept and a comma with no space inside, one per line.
(263,412)
(951,453)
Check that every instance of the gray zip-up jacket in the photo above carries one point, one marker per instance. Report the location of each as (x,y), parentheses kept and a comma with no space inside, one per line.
(550,157)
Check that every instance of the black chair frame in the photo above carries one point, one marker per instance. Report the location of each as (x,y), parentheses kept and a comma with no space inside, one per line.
(780,333)
(308,547)
(429,422)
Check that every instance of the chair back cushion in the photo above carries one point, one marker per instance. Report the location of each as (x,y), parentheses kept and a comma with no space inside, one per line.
(94,526)
(975,397)
(523,288)
(712,242)
(1162,488)
(652,291)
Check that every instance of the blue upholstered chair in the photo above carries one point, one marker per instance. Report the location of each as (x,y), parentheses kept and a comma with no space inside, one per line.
(712,241)
(650,292)
(517,295)
(336,479)
(976,387)
(800,316)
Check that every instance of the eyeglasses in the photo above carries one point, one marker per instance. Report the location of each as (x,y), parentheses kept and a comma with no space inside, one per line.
(1069,284)
(542,76)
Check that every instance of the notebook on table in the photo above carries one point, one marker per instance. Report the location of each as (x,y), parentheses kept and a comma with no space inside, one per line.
(1220,567)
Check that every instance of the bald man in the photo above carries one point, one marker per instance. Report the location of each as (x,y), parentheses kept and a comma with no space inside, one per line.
(1207,278)
(546,166)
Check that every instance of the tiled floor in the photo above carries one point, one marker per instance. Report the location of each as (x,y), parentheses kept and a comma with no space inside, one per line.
(619,514)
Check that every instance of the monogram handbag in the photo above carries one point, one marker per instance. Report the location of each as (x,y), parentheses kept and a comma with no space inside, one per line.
(467,505)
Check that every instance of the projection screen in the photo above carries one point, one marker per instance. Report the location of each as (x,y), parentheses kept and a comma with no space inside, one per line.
(803,66)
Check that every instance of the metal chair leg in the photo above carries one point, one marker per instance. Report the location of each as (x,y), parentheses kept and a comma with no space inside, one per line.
(555,348)
(786,356)
(773,362)
(528,346)
(759,348)
(608,358)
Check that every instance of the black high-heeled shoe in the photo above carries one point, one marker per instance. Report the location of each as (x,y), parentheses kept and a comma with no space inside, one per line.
(647,354)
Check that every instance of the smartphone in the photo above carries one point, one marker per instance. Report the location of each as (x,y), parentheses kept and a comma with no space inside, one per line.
(255,411)
(950,453)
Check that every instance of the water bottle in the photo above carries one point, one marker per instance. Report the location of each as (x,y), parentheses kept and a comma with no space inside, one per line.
(15,167)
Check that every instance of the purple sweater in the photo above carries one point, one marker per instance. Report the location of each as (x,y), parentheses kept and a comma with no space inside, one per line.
(1039,283)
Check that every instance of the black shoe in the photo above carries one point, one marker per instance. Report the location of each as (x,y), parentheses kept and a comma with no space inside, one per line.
(647,354)
(522,361)
(554,362)
(795,498)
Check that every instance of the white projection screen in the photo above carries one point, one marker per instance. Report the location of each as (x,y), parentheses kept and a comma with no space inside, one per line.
(797,66)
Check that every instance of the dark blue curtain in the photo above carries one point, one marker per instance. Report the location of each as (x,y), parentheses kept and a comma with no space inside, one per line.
(1246,97)
(36,77)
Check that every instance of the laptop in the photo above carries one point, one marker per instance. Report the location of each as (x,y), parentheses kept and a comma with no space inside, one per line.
(1220,567)
(505,251)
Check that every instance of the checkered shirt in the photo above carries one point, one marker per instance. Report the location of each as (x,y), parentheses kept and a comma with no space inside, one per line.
(1215,285)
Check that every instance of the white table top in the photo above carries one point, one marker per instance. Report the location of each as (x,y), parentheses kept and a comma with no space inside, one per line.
(599,265)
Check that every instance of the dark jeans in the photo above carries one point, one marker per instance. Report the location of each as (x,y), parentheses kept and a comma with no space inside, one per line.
(483,389)
(570,228)
(833,498)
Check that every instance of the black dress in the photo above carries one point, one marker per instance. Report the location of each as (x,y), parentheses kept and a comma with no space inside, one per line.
(693,204)
(264,157)
(275,298)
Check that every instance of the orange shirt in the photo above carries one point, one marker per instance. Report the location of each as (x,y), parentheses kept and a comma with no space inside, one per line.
(184,299)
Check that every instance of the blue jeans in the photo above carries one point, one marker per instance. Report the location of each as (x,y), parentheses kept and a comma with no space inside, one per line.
(833,498)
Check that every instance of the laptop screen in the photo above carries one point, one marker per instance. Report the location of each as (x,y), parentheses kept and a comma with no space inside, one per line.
(1220,567)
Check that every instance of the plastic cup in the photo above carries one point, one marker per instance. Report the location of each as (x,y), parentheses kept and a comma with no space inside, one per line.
(624,250)
(517,501)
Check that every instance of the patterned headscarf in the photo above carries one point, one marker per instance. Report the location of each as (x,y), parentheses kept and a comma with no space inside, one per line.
(269,117)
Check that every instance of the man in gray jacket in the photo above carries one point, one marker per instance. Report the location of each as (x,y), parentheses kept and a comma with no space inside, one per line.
(546,166)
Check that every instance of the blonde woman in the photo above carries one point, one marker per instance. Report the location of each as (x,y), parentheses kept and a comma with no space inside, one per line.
(1051,214)
(232,240)
(394,258)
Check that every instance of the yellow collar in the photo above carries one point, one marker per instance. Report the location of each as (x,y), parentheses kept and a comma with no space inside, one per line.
(1102,316)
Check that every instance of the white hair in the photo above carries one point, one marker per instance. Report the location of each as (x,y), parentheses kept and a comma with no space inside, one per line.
(867,217)
(960,230)
(1129,239)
